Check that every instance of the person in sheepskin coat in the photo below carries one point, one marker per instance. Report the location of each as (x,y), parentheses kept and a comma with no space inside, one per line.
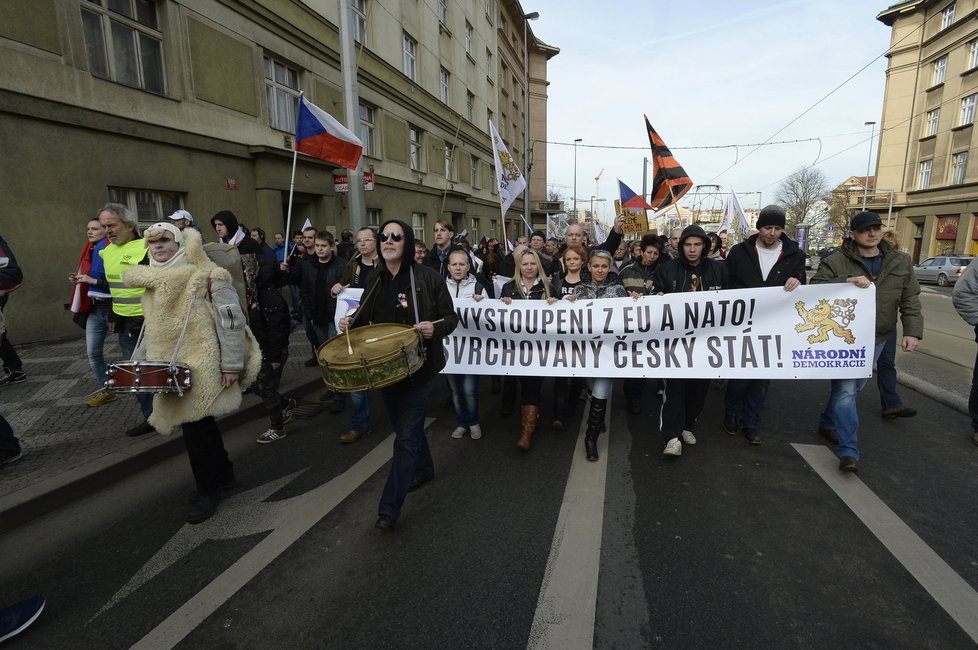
(219,349)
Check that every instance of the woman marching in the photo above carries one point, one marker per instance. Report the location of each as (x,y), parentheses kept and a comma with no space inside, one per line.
(529,283)
(602,285)
(465,388)
(567,389)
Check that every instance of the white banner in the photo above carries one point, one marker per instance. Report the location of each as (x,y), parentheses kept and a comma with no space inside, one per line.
(815,331)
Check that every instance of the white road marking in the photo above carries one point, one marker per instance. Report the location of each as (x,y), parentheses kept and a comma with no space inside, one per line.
(564,616)
(303,512)
(950,591)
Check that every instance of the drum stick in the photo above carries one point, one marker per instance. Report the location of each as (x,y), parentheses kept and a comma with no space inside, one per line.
(349,348)
(386,336)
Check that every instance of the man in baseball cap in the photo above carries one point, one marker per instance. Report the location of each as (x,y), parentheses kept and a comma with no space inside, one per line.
(181,219)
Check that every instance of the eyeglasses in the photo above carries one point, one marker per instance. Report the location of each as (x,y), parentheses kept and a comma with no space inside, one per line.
(396,236)
(364,240)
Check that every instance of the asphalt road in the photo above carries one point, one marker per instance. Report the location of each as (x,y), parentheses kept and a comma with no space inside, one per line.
(728,546)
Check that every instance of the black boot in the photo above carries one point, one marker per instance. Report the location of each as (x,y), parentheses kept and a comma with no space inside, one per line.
(595,426)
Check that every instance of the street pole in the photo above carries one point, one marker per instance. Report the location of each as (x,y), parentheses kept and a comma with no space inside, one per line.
(872,131)
(351,110)
(526,116)
(576,140)
(645,178)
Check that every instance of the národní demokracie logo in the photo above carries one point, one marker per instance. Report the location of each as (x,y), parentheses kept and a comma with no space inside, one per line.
(827,318)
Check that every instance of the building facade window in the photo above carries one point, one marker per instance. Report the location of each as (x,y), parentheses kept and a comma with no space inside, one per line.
(150,206)
(474,172)
(489,69)
(449,155)
(959,165)
(468,38)
(973,55)
(445,81)
(443,12)
(474,229)
(366,130)
(282,92)
(494,182)
(489,116)
(933,118)
(923,177)
(417,225)
(360,21)
(968,109)
(124,42)
(414,147)
(490,10)
(947,16)
(940,70)
(469,106)
(410,57)
(374,217)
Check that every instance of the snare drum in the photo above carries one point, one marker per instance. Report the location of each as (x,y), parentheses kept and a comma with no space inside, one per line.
(398,354)
(147,377)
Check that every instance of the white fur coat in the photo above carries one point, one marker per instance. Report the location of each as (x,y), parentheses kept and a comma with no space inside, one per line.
(167,299)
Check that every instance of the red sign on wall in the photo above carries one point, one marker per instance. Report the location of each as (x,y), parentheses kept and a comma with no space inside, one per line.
(230,183)
(947,227)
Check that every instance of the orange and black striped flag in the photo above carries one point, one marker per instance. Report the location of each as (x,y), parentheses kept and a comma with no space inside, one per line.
(669,182)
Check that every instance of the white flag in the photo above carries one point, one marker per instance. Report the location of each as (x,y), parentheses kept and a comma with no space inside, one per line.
(307,225)
(734,220)
(508,175)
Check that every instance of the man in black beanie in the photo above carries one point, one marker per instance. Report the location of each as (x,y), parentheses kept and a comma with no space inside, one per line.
(768,259)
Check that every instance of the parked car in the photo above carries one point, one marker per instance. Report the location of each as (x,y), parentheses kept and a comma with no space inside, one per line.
(942,269)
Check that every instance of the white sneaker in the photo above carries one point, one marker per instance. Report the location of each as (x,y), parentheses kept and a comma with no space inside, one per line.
(688,437)
(459,432)
(272,435)
(673,448)
(475,431)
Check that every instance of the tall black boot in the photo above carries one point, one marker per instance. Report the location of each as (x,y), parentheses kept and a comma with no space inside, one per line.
(595,426)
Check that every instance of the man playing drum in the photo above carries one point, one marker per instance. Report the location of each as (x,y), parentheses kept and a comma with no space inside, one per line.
(192,316)
(403,291)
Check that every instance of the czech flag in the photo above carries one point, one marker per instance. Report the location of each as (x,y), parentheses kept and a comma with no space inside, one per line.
(630,199)
(319,134)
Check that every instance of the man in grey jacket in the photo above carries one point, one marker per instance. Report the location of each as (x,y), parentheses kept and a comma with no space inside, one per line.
(965,299)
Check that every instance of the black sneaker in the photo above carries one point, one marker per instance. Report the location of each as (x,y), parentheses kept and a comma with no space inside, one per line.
(140,429)
(203,507)
(16,618)
(730,424)
(287,411)
(13,377)
(751,435)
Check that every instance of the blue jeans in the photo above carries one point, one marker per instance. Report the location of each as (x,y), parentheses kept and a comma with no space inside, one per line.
(360,420)
(841,413)
(318,334)
(745,400)
(600,387)
(96,329)
(128,331)
(406,405)
(886,375)
(465,398)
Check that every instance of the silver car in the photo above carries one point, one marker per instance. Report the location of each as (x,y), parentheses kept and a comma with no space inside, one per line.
(943,269)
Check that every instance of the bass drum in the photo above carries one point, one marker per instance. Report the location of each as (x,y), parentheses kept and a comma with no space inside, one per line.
(383,354)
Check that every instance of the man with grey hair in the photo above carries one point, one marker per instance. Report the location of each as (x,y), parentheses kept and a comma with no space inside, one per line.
(672,246)
(125,249)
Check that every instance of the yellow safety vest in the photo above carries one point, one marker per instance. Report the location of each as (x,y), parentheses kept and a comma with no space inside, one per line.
(126,301)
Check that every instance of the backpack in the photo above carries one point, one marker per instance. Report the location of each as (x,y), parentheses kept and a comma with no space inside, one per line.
(243,270)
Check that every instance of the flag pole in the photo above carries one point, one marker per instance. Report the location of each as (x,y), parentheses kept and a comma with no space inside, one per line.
(502,212)
(288,218)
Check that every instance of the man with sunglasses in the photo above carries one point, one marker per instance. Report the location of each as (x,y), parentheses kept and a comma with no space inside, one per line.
(404,291)
(864,258)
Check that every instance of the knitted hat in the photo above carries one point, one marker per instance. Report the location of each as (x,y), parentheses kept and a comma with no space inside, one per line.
(771,215)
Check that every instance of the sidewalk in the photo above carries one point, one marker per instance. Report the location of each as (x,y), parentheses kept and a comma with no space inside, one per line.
(71,449)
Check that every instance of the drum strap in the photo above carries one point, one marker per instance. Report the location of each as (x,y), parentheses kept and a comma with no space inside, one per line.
(414,293)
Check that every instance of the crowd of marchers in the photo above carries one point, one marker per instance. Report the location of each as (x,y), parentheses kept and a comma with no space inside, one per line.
(164,293)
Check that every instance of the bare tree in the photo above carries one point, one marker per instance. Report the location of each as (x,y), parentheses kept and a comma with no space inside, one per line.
(553,194)
(842,205)
(799,193)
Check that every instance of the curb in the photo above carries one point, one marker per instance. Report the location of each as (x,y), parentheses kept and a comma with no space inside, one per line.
(35,501)
(934,392)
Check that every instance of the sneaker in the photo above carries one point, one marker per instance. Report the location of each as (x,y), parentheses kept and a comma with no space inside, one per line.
(272,435)
(848,464)
(287,411)
(203,507)
(730,424)
(18,617)
(13,377)
(750,434)
(140,430)
(673,448)
(10,456)
(688,437)
(459,432)
(100,398)
(475,431)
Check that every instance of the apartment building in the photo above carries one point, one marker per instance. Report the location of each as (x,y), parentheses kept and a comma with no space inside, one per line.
(927,143)
(166,104)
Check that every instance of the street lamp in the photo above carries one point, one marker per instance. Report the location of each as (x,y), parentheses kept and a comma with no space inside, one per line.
(576,140)
(872,126)
(526,115)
